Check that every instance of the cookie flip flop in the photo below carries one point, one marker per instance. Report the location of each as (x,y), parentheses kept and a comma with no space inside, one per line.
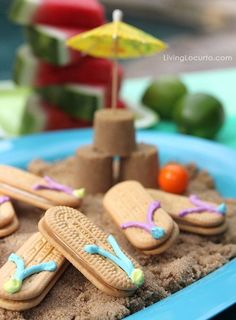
(40,192)
(29,274)
(193,214)
(8,219)
(146,225)
(94,253)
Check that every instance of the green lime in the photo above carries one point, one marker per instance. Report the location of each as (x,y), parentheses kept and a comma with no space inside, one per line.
(199,114)
(162,95)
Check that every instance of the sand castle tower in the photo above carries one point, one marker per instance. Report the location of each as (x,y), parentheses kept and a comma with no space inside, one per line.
(114,142)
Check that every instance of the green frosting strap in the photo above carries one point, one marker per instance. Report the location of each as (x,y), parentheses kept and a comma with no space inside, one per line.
(120,259)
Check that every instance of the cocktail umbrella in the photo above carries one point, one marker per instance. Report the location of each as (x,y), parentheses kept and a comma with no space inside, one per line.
(116,40)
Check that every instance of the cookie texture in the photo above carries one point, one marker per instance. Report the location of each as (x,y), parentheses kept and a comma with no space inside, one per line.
(192,214)
(174,204)
(10,228)
(129,201)
(19,184)
(73,297)
(70,232)
(7,212)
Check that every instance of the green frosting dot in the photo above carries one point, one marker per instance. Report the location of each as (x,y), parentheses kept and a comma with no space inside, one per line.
(137,277)
(79,193)
(12,285)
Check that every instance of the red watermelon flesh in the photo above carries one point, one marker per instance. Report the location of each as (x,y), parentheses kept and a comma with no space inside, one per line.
(88,70)
(70,13)
(121,104)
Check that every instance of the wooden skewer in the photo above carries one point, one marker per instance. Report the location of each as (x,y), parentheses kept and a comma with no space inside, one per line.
(114,84)
(117,17)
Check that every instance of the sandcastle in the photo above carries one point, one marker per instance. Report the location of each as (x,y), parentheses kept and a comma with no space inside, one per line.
(115,155)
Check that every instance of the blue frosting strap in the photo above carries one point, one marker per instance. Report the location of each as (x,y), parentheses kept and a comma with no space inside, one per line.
(222,208)
(45,266)
(93,249)
(20,265)
(15,283)
(120,259)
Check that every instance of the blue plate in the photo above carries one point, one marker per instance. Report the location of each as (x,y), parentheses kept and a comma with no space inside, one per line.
(206,297)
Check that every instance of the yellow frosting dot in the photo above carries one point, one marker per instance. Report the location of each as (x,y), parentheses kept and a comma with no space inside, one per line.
(12,285)
(79,193)
(137,277)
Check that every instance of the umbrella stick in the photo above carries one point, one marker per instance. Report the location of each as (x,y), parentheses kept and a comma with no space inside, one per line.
(117,17)
(114,84)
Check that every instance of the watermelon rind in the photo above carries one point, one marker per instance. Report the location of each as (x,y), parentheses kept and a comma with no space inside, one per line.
(20,114)
(79,101)
(22,11)
(25,68)
(48,43)
(34,119)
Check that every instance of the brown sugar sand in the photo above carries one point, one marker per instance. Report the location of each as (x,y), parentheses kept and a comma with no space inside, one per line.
(111,129)
(95,170)
(142,165)
(73,297)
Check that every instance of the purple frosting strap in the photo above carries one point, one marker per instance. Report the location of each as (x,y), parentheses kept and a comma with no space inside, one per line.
(4,199)
(53,185)
(201,206)
(149,226)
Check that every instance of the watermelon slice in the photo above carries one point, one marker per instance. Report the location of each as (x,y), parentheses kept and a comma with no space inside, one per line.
(55,119)
(49,43)
(79,101)
(59,120)
(30,71)
(69,13)
(26,113)
(17,117)
(76,100)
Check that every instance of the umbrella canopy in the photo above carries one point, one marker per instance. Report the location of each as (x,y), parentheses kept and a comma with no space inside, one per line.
(116,40)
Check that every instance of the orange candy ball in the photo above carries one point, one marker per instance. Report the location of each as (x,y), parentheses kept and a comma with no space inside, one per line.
(173,178)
